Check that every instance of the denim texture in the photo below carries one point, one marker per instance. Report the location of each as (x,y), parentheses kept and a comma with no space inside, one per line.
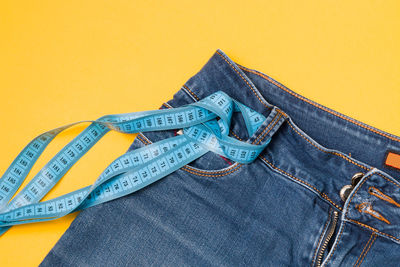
(272,212)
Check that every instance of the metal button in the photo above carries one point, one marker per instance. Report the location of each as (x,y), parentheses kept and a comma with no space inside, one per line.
(345,191)
(356,178)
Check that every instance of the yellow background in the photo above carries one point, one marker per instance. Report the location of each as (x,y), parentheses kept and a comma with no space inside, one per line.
(64,61)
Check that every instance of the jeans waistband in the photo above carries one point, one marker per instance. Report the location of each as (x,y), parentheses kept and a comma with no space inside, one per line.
(315,146)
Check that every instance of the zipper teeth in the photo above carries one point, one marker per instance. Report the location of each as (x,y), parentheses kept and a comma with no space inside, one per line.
(328,237)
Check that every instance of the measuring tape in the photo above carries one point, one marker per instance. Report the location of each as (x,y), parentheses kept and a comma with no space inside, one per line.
(204,126)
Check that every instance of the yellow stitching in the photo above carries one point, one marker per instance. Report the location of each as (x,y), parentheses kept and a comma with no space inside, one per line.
(373,229)
(281,112)
(360,187)
(236,135)
(209,172)
(320,107)
(382,196)
(362,224)
(367,250)
(289,123)
(187,166)
(278,111)
(195,96)
(320,237)
(329,152)
(336,243)
(388,179)
(252,89)
(139,136)
(262,137)
(266,128)
(362,252)
(276,121)
(223,172)
(367,208)
(190,91)
(355,194)
(303,182)
(365,247)
(238,167)
(323,194)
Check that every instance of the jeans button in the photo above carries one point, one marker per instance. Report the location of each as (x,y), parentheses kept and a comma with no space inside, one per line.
(356,178)
(345,192)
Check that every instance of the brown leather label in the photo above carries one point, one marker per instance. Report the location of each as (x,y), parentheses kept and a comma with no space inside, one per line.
(393,160)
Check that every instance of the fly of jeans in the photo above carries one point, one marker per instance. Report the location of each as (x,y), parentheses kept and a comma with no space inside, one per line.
(327,238)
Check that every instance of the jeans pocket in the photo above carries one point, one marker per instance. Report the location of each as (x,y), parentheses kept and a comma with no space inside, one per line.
(209,165)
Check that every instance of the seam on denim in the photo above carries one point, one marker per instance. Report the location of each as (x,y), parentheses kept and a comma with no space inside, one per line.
(388,179)
(248,84)
(266,128)
(335,113)
(167,105)
(329,152)
(142,138)
(336,243)
(196,98)
(226,171)
(320,237)
(358,188)
(145,139)
(138,137)
(355,192)
(360,209)
(212,172)
(216,175)
(323,195)
(362,224)
(195,169)
(190,91)
(237,137)
(221,172)
(199,172)
(187,89)
(366,252)
(272,127)
(384,197)
(365,247)
(373,229)
(278,110)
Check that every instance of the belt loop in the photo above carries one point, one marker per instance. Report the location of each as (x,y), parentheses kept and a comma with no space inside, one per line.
(269,127)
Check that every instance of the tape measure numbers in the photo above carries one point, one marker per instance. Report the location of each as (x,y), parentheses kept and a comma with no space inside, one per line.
(204,126)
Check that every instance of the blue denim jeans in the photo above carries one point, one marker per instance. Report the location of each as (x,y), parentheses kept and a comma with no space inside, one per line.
(284,209)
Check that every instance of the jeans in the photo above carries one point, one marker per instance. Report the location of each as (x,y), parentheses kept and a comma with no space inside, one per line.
(295,205)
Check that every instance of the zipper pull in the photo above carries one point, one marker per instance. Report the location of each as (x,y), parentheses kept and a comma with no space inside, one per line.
(328,237)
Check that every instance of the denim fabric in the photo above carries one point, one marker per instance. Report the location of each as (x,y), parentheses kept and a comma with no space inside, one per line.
(272,212)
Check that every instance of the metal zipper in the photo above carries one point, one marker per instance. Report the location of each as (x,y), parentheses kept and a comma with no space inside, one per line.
(328,237)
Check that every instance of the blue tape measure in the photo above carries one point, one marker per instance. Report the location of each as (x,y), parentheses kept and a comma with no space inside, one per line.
(204,126)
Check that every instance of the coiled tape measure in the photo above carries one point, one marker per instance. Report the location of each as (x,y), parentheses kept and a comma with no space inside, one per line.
(204,127)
